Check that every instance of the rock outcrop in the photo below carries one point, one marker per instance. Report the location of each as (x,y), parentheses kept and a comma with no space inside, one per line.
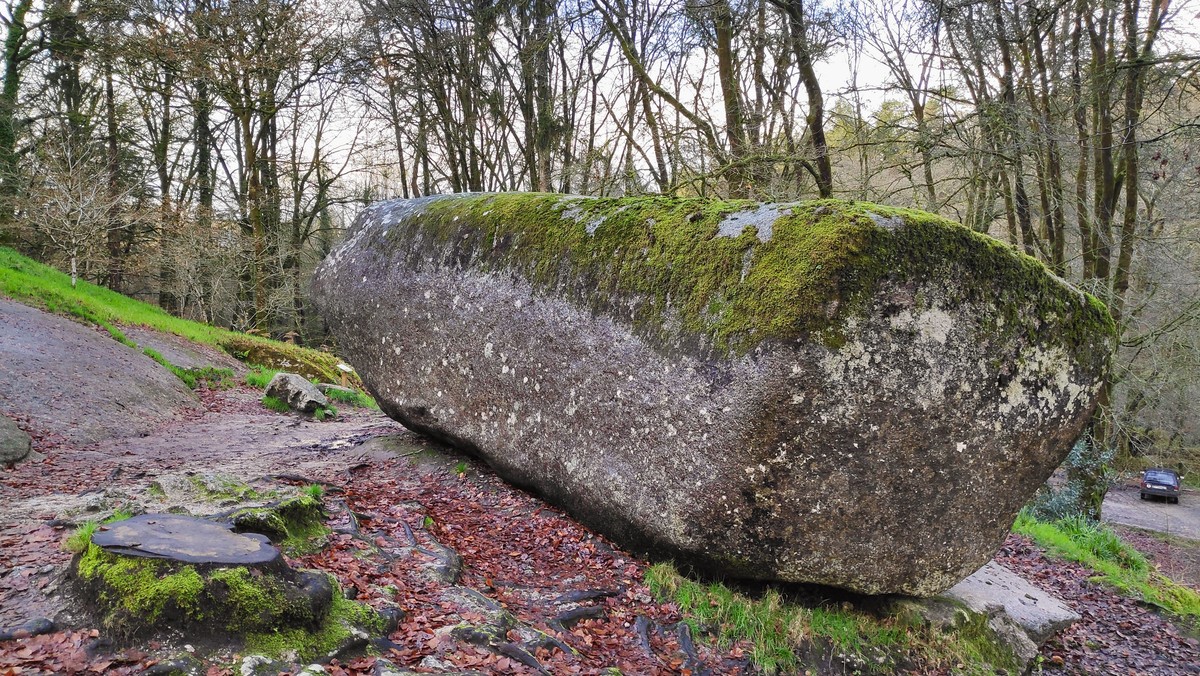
(165,574)
(827,392)
(68,379)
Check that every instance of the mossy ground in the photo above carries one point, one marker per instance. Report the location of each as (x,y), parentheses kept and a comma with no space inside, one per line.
(220,488)
(137,596)
(786,637)
(339,626)
(133,593)
(656,261)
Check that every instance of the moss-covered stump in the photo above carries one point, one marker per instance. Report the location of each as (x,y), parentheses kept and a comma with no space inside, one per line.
(296,524)
(162,572)
(831,392)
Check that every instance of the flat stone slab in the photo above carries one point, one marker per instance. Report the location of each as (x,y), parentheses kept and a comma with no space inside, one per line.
(994,587)
(185,539)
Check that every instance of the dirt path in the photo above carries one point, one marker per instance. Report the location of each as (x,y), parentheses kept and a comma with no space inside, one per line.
(233,437)
(1122,505)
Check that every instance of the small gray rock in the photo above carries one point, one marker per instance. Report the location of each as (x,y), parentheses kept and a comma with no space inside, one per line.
(300,394)
(1014,637)
(993,588)
(181,665)
(15,444)
(326,387)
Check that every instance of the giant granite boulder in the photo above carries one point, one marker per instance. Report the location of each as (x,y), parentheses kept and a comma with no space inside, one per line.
(829,392)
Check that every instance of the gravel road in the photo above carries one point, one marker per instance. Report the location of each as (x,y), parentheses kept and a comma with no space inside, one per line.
(1122,505)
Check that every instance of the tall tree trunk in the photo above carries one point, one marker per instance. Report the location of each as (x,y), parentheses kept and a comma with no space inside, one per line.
(815,117)
(735,128)
(1137,61)
(202,139)
(1009,94)
(545,134)
(1079,113)
(16,53)
(115,233)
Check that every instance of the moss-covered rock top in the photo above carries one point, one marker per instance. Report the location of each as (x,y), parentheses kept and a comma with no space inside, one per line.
(729,273)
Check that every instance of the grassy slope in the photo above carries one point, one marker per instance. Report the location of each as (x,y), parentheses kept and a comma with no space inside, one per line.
(39,285)
(1115,562)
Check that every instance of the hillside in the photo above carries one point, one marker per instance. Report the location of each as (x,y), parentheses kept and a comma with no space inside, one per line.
(41,286)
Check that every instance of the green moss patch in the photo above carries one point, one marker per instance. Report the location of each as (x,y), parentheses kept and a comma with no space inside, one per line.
(661,265)
(137,592)
(135,595)
(223,489)
(345,621)
(296,524)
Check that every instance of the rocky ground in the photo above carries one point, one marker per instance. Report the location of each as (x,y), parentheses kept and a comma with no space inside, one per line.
(419,526)
(449,547)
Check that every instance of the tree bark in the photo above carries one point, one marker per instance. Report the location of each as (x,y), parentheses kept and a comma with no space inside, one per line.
(815,116)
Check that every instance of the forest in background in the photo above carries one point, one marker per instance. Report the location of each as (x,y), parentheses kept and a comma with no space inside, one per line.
(205,154)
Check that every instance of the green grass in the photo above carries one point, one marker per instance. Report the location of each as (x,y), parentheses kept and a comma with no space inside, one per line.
(212,377)
(773,630)
(1117,563)
(276,404)
(42,286)
(280,406)
(82,537)
(354,398)
(781,637)
(260,377)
